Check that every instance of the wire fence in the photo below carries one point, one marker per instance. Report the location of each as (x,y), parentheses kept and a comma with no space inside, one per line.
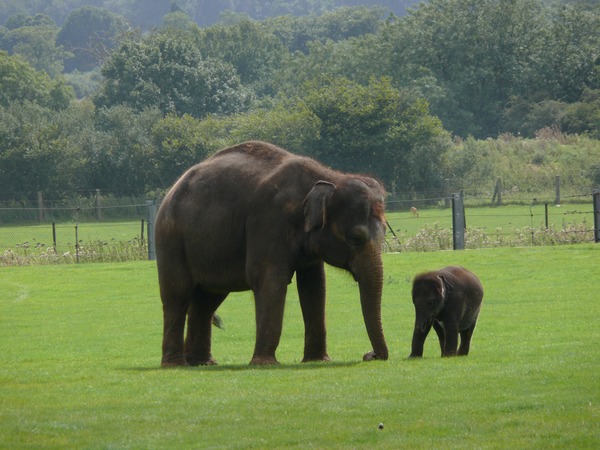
(73,235)
(120,233)
(426,224)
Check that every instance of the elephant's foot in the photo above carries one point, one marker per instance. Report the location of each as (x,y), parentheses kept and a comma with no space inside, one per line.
(173,361)
(371,356)
(167,364)
(414,356)
(210,361)
(316,358)
(263,361)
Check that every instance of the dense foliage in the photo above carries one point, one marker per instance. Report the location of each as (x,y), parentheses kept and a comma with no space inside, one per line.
(148,14)
(358,88)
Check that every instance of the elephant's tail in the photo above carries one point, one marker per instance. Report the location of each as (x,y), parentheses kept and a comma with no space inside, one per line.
(217,322)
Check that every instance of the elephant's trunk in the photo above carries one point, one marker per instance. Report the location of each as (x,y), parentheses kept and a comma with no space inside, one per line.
(369,275)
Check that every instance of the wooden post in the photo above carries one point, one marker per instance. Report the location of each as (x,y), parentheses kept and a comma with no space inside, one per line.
(98,205)
(151,209)
(497,193)
(54,235)
(40,202)
(596,197)
(458,221)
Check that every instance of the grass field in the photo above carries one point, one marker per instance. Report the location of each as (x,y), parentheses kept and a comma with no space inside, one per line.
(81,350)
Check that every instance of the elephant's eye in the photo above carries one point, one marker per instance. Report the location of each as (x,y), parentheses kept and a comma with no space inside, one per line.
(356,239)
(357,236)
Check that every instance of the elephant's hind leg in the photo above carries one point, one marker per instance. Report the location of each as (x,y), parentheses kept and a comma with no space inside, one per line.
(174,324)
(465,340)
(199,329)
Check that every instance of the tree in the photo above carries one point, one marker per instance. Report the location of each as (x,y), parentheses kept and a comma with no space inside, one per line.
(19,82)
(23,20)
(288,123)
(121,156)
(90,33)
(480,52)
(297,32)
(379,130)
(34,38)
(166,70)
(254,52)
(179,143)
(569,60)
(37,152)
(583,117)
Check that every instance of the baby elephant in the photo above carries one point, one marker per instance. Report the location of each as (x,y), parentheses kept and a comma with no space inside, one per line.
(449,299)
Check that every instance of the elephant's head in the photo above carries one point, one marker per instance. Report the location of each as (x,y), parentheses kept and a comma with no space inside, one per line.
(345,227)
(429,295)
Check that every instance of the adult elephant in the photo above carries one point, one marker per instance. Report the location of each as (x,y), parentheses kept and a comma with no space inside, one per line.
(248,218)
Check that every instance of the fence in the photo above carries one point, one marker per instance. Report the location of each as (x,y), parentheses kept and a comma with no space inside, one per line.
(458,221)
(73,235)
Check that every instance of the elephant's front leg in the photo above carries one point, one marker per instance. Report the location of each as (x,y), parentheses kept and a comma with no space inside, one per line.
(311,291)
(441,333)
(418,341)
(269,297)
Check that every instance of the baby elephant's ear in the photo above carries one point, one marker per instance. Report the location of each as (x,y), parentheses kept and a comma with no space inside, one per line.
(315,209)
(445,282)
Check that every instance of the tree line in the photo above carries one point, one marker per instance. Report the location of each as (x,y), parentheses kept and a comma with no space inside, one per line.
(358,88)
(148,14)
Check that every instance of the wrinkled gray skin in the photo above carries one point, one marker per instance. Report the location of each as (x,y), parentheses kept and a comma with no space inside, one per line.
(249,218)
(449,300)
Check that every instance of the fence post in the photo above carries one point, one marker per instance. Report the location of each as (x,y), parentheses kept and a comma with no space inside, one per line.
(596,197)
(54,235)
(497,192)
(40,201)
(151,210)
(98,205)
(458,221)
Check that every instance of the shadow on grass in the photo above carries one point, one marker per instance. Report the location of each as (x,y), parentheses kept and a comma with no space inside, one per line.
(248,367)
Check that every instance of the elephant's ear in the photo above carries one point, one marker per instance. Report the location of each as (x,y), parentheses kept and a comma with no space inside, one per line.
(315,211)
(446,286)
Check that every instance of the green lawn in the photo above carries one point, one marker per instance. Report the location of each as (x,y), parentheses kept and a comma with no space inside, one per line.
(81,351)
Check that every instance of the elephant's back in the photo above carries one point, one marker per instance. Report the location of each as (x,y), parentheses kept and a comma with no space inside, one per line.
(254,152)
(218,192)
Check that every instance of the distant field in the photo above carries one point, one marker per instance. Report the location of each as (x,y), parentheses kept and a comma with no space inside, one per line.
(105,239)
(431,229)
(511,225)
(81,350)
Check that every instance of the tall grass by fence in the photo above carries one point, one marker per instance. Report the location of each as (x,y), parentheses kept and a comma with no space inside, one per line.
(414,225)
